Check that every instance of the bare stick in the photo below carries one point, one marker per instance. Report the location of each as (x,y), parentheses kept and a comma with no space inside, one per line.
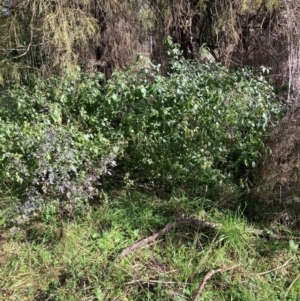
(278,268)
(207,276)
(150,281)
(166,229)
(290,287)
(196,223)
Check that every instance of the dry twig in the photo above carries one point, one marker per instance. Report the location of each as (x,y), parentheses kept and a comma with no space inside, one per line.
(208,275)
(269,271)
(276,269)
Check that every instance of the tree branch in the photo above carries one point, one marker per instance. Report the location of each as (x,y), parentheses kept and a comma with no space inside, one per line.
(196,223)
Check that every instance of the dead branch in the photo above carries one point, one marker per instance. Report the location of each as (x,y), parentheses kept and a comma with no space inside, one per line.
(166,229)
(196,223)
(208,275)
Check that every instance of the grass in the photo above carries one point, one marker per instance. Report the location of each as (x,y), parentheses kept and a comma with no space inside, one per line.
(83,264)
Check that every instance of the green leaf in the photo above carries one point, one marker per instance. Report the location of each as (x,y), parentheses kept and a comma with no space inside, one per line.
(143,91)
(56,114)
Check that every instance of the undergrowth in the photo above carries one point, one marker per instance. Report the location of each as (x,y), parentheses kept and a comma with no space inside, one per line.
(38,263)
(89,170)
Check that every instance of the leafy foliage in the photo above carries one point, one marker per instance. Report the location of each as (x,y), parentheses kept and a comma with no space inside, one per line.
(49,149)
(201,124)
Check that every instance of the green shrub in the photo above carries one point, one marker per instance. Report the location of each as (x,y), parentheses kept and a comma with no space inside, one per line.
(51,148)
(202,124)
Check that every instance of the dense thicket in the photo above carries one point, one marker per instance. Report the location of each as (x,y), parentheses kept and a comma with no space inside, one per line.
(201,125)
(200,114)
(199,128)
(175,118)
(123,118)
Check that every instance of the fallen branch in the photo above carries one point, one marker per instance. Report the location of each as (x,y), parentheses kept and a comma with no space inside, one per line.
(199,224)
(150,282)
(166,229)
(207,276)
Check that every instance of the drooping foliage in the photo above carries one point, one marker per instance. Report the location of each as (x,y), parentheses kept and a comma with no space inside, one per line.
(46,36)
(42,35)
(54,36)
